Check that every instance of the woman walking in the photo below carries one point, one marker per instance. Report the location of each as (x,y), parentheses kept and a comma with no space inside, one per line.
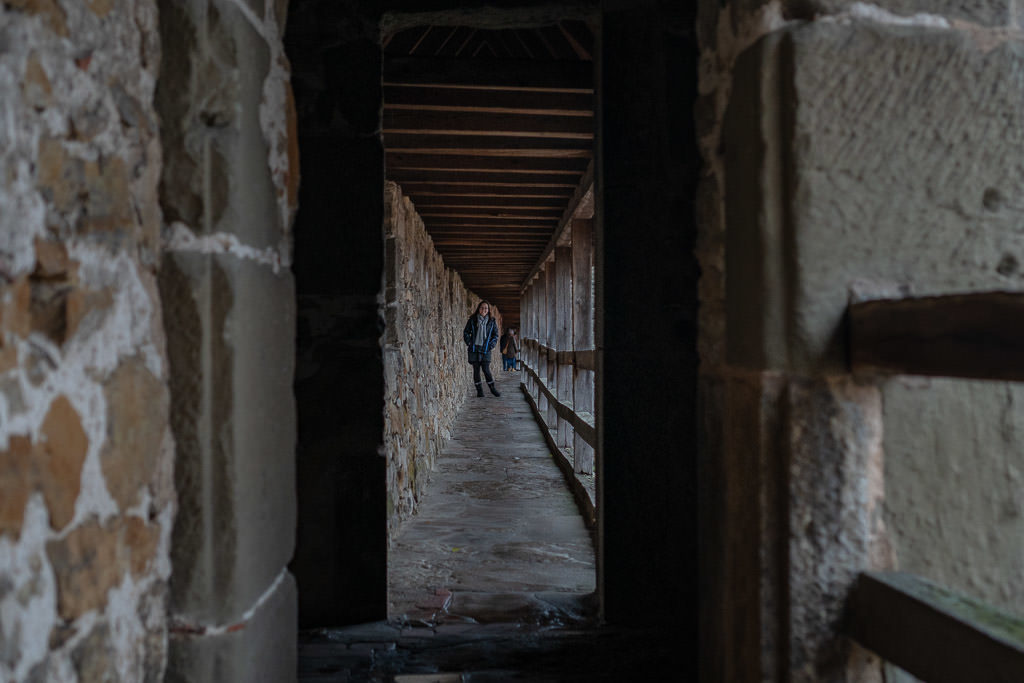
(509,349)
(481,335)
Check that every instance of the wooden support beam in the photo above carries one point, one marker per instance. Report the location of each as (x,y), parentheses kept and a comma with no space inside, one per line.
(933,633)
(568,76)
(527,226)
(563,337)
(486,190)
(492,202)
(473,123)
(488,145)
(482,178)
(506,166)
(968,335)
(544,216)
(582,200)
(496,102)
(583,334)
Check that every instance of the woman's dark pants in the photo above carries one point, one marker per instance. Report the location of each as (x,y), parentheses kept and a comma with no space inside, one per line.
(477,365)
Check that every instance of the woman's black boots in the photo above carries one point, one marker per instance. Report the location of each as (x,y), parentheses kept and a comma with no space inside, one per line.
(479,389)
(494,389)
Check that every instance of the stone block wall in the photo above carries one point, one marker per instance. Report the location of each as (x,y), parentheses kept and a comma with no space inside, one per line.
(853,150)
(228,191)
(86,453)
(427,378)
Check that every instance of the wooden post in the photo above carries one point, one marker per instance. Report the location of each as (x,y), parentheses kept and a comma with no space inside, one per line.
(550,376)
(583,333)
(542,339)
(562,388)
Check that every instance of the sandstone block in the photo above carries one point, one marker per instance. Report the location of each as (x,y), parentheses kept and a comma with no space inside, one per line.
(136,423)
(59,459)
(894,176)
(232,321)
(214,147)
(86,565)
(16,484)
(50,11)
(93,558)
(262,649)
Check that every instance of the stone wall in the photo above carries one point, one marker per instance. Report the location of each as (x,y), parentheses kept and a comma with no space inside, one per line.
(427,378)
(853,150)
(86,489)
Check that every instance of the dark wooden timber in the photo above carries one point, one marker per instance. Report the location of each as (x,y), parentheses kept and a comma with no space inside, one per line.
(513,74)
(488,145)
(482,123)
(465,162)
(506,102)
(933,633)
(967,335)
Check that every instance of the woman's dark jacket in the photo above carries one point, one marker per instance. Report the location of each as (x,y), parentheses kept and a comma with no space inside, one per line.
(480,354)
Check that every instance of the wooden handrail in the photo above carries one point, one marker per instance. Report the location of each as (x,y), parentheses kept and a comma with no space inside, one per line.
(584,359)
(584,427)
(933,633)
(978,336)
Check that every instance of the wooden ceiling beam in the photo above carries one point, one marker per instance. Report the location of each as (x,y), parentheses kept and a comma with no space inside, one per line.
(569,76)
(461,162)
(502,145)
(497,125)
(511,214)
(505,202)
(482,190)
(481,179)
(399,97)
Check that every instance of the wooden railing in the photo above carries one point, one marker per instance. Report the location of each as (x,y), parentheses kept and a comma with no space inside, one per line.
(582,422)
(925,629)
(932,633)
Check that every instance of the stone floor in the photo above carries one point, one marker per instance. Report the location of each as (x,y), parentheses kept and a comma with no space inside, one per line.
(493,578)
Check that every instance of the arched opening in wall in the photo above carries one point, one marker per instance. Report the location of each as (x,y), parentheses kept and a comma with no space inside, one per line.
(488,131)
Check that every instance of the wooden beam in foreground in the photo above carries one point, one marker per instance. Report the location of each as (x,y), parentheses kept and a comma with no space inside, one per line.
(933,633)
(979,336)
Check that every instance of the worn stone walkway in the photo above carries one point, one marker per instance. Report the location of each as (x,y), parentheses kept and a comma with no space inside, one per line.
(492,579)
(497,536)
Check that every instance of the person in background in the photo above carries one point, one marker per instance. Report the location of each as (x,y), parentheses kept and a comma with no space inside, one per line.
(509,350)
(481,335)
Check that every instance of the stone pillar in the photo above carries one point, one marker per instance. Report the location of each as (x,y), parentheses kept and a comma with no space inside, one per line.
(227,194)
(341,553)
(563,338)
(583,334)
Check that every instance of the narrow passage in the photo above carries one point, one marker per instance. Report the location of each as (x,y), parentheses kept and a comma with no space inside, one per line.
(498,536)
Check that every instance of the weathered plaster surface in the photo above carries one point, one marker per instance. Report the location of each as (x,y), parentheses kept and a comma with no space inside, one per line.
(85,480)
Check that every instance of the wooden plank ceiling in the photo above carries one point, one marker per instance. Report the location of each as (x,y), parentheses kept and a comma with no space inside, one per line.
(490,132)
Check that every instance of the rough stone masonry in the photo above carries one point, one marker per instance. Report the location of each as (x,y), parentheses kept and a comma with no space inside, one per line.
(86,489)
(425,369)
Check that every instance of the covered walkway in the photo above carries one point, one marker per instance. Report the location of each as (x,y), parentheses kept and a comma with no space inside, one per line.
(494,575)
(497,536)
